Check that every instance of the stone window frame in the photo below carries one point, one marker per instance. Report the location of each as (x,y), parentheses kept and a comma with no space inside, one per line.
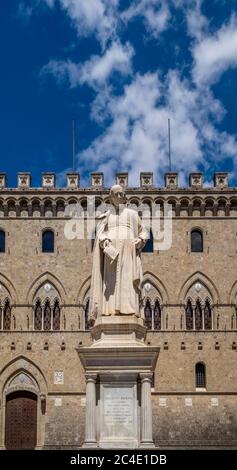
(48,229)
(204,376)
(3,305)
(42,304)
(200,231)
(202,303)
(152,306)
(2,230)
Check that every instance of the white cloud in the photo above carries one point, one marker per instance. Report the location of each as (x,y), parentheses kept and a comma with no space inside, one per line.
(62,70)
(155,13)
(97,70)
(136,139)
(215,54)
(197,23)
(135,122)
(91,16)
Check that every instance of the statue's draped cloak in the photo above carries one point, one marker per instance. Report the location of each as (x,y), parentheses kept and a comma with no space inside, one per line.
(116,286)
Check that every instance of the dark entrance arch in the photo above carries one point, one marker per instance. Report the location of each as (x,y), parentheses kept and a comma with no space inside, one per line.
(21,420)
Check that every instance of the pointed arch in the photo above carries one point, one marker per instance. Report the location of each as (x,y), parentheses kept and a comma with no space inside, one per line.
(24,365)
(157,284)
(9,288)
(233,294)
(203,279)
(31,371)
(38,283)
(84,291)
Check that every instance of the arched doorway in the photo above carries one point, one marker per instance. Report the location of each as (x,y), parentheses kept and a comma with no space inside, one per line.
(21,420)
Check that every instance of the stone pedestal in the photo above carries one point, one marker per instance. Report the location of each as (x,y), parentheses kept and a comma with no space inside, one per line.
(118,368)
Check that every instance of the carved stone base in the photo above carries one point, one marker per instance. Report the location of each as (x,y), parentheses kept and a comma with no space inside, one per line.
(118,330)
(118,369)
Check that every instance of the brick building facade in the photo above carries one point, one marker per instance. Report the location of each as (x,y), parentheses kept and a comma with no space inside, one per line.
(190,304)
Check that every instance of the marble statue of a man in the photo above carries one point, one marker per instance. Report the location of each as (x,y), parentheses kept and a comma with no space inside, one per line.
(117,271)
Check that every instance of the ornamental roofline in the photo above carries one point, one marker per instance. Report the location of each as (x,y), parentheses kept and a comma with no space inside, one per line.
(97,183)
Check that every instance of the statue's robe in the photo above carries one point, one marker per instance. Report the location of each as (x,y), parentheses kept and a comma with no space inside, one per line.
(116,286)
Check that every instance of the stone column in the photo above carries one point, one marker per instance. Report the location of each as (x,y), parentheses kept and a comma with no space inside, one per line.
(90,437)
(146,411)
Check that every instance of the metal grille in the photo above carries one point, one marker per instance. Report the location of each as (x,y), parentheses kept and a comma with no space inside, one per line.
(200,375)
(38,316)
(189,316)
(56,316)
(47,316)
(148,315)
(207,316)
(21,421)
(7,316)
(157,316)
(198,316)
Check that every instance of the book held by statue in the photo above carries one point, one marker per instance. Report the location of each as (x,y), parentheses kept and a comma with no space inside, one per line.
(111,252)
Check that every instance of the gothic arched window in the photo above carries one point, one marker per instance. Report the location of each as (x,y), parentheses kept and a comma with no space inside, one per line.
(2,241)
(38,316)
(148,315)
(198,316)
(56,316)
(207,316)
(157,316)
(87,325)
(47,316)
(199,307)
(189,316)
(7,316)
(47,308)
(200,372)
(48,241)
(196,241)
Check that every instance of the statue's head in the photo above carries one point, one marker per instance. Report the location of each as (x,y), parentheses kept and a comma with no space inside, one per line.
(117,195)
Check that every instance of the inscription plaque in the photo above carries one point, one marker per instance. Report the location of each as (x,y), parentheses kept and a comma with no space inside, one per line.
(119,413)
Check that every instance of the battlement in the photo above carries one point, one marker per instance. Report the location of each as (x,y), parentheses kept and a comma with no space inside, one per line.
(196,181)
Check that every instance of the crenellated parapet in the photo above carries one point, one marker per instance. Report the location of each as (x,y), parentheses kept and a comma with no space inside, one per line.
(51,201)
(97,181)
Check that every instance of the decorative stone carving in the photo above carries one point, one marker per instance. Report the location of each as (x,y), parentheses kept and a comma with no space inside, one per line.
(221,180)
(171,180)
(198,291)
(47,291)
(122,179)
(58,377)
(48,180)
(3,180)
(47,287)
(146,179)
(196,180)
(22,381)
(97,180)
(73,180)
(24,180)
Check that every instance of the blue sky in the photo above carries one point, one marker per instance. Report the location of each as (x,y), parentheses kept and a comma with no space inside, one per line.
(120,69)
